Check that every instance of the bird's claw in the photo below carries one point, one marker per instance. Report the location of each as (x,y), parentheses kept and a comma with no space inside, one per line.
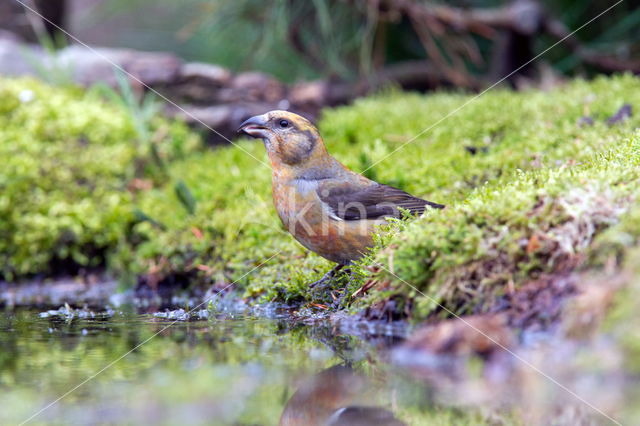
(326,277)
(321,283)
(339,300)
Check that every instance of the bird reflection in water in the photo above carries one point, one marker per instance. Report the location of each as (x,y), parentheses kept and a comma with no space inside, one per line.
(335,396)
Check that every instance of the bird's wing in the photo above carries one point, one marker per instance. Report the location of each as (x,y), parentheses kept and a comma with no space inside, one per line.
(355,201)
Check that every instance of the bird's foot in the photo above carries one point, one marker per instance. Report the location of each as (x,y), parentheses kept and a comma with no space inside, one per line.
(322,282)
(337,299)
(340,295)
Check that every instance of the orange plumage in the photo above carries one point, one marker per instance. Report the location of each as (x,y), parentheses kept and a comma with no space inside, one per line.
(328,208)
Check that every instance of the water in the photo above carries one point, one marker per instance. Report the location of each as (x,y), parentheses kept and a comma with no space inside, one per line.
(122,367)
(112,367)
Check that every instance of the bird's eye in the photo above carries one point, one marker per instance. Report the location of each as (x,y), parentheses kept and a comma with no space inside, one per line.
(284,123)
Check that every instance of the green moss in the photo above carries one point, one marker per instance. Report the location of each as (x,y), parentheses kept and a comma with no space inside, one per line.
(535,171)
(534,196)
(68,158)
(512,231)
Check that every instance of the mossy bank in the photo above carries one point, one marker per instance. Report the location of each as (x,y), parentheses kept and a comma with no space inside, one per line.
(531,180)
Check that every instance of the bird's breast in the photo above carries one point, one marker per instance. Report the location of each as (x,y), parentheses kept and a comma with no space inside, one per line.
(297,200)
(315,225)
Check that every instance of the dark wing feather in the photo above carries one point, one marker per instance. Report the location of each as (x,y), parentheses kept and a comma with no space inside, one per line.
(354,202)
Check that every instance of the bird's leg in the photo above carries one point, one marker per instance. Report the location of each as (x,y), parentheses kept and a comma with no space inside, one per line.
(338,301)
(327,276)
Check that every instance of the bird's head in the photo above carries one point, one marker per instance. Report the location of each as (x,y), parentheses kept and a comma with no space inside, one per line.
(290,139)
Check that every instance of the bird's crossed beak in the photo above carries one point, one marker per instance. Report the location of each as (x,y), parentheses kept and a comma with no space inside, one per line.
(255,127)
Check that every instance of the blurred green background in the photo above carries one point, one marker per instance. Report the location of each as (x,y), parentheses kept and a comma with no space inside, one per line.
(466,41)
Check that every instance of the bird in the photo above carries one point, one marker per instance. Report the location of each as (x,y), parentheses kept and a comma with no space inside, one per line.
(328,208)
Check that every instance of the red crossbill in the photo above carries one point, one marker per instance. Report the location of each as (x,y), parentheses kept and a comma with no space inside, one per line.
(328,208)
